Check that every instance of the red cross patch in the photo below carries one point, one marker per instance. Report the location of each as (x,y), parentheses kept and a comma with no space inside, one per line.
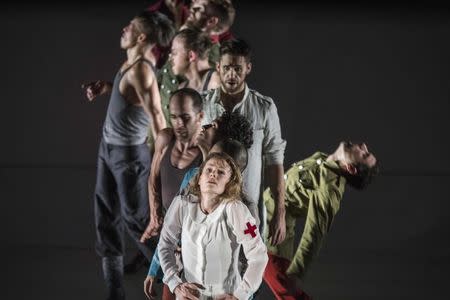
(250,229)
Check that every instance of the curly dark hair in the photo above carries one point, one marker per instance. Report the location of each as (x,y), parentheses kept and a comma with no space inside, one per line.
(235,150)
(363,176)
(233,125)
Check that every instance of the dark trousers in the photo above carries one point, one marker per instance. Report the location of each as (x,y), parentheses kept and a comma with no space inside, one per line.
(121,198)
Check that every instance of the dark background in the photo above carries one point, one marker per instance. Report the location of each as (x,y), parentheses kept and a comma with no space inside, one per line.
(375,72)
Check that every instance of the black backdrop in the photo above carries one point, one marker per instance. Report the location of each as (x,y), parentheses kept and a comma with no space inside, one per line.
(371,72)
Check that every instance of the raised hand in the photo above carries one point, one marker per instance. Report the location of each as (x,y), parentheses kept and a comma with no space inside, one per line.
(96,88)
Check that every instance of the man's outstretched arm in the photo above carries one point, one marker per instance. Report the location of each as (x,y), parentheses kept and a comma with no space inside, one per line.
(273,151)
(275,179)
(154,185)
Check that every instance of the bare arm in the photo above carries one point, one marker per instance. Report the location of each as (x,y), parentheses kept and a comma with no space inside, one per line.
(157,114)
(273,149)
(154,185)
(143,80)
(275,180)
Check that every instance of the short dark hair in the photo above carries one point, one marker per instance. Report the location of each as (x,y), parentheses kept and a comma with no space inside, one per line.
(197,101)
(363,176)
(233,125)
(236,47)
(157,27)
(224,11)
(196,41)
(236,150)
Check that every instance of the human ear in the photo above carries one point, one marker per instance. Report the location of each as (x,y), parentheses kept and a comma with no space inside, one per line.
(249,67)
(141,37)
(218,67)
(192,56)
(200,116)
(351,169)
(212,22)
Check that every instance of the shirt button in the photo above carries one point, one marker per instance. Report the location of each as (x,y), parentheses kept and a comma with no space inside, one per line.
(174,81)
(165,70)
(300,180)
(319,161)
(300,167)
(285,177)
(168,91)
(162,86)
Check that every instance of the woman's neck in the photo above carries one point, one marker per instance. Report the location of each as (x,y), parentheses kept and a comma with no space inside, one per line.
(209,202)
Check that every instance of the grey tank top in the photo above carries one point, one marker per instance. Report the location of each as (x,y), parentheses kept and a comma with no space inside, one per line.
(171,177)
(125,124)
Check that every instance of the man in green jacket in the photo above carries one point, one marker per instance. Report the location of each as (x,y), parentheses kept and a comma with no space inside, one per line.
(314,190)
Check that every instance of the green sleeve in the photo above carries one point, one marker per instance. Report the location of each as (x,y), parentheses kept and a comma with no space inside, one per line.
(214,55)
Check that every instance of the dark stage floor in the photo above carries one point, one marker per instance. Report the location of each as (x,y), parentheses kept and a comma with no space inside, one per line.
(68,273)
(389,242)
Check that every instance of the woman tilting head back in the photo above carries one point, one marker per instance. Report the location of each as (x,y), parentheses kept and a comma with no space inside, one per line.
(212,223)
(227,172)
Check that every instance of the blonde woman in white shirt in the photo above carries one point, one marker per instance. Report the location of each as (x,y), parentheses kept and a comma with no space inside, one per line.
(212,224)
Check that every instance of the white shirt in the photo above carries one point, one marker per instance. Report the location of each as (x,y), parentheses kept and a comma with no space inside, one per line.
(210,247)
(262,114)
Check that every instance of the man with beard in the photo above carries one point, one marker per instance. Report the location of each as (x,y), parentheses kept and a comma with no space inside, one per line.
(268,146)
(213,18)
(177,11)
(189,58)
(123,158)
(314,190)
(176,152)
(181,16)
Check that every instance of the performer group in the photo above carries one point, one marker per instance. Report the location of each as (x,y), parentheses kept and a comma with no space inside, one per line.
(190,164)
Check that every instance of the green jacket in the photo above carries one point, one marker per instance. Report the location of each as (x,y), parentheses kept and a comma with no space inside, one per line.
(169,82)
(314,190)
